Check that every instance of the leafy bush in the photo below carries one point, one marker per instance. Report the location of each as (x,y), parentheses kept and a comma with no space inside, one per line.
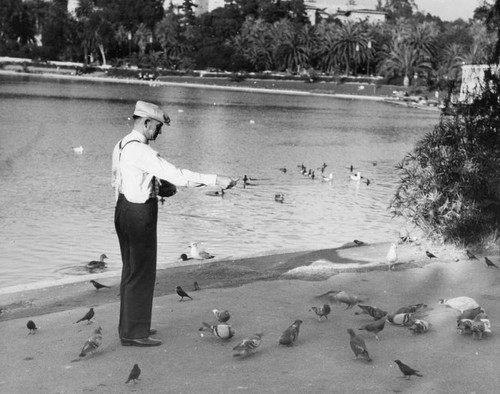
(450,183)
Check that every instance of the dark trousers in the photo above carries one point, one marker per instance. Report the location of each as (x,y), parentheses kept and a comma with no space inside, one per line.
(135,226)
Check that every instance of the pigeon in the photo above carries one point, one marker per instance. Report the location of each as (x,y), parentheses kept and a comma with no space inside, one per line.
(489,263)
(359,243)
(479,326)
(196,286)
(374,327)
(279,197)
(407,371)
(358,346)
(460,304)
(321,311)
(222,331)
(134,374)
(182,293)
(341,297)
(355,177)
(222,315)
(392,255)
(470,255)
(92,343)
(400,319)
(97,264)
(199,254)
(470,313)
(88,316)
(248,345)
(32,327)
(464,326)
(430,255)
(98,285)
(373,311)
(419,326)
(290,335)
(410,308)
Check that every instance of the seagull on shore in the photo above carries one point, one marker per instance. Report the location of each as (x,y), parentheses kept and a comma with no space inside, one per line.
(198,254)
(392,256)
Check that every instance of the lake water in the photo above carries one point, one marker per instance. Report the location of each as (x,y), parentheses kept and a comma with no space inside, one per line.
(56,206)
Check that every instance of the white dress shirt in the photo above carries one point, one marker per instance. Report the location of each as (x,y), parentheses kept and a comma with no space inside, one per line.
(134,167)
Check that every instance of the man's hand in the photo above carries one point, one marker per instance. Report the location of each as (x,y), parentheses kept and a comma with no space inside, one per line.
(226,182)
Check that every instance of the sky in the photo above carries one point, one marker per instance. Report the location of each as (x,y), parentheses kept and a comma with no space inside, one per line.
(447,10)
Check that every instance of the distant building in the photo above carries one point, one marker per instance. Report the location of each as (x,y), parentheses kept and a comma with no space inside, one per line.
(371,16)
(203,5)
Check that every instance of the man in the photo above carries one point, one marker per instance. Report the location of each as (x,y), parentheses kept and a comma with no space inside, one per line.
(136,170)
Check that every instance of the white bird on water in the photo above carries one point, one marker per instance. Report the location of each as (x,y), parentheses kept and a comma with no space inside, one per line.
(78,149)
(356,177)
(199,254)
(328,178)
(392,255)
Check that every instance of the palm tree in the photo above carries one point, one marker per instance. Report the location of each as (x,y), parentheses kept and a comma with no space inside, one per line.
(292,45)
(349,44)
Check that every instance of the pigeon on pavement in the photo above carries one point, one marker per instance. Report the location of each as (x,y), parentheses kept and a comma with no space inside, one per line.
(374,327)
(290,335)
(222,331)
(407,370)
(134,374)
(321,311)
(181,293)
(410,308)
(248,345)
(92,343)
(373,311)
(222,315)
(358,346)
(88,316)
(98,285)
(32,327)
(419,326)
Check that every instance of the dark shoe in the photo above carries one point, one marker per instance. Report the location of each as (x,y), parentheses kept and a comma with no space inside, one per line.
(152,331)
(141,342)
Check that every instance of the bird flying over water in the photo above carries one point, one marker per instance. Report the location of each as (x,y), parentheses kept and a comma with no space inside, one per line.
(198,254)
(181,293)
(248,345)
(407,370)
(32,327)
(358,346)
(98,285)
(134,374)
(88,316)
(489,263)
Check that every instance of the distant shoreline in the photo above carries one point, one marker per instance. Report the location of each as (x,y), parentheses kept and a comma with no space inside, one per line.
(346,91)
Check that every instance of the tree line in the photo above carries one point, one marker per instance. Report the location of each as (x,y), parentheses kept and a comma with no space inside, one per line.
(249,36)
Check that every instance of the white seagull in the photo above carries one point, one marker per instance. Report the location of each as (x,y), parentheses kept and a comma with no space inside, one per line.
(78,149)
(355,177)
(392,255)
(199,254)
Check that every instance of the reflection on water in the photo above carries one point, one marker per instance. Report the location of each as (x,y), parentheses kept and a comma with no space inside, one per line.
(57,206)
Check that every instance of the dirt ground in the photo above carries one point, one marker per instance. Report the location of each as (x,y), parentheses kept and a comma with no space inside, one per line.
(321,359)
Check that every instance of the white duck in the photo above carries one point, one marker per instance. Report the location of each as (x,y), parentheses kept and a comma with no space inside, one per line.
(78,149)
(355,177)
(460,304)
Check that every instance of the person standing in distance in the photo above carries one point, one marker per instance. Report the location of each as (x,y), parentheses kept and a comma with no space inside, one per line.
(136,171)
